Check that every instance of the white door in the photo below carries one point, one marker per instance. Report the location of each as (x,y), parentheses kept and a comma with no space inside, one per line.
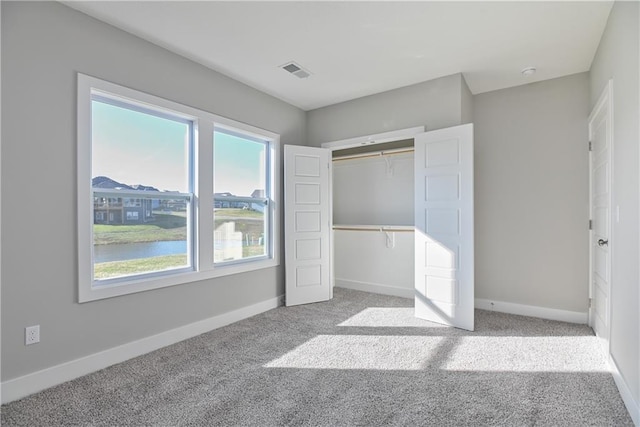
(600,201)
(444,253)
(308,219)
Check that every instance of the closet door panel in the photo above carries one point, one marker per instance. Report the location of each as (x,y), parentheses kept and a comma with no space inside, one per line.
(444,235)
(307,224)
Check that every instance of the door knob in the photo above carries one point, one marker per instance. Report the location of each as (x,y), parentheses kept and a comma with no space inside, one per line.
(603,242)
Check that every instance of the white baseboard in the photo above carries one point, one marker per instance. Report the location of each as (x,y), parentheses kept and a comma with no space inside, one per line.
(632,406)
(375,288)
(484,304)
(20,387)
(531,310)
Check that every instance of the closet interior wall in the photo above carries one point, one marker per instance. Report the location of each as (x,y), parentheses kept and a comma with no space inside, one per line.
(373,194)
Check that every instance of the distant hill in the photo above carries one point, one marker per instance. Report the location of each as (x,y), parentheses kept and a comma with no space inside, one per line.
(144,187)
(106,182)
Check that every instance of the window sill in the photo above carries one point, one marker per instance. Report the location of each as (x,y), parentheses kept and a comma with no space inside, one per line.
(94,293)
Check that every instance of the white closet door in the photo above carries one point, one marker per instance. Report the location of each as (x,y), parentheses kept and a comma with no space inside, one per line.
(307,224)
(444,257)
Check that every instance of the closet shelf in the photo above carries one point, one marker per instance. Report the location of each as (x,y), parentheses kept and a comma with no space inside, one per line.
(374,227)
(379,154)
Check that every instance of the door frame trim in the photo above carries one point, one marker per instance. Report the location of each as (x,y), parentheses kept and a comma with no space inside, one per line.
(373,139)
(378,138)
(605,99)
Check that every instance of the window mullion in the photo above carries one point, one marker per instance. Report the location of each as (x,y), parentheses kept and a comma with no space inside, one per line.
(275,194)
(204,195)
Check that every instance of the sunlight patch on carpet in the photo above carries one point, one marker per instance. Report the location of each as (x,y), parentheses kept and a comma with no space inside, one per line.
(469,354)
(360,352)
(526,354)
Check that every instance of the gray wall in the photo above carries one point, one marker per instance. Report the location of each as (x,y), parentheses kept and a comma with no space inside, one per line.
(531,176)
(43,46)
(434,104)
(466,113)
(365,191)
(531,199)
(617,58)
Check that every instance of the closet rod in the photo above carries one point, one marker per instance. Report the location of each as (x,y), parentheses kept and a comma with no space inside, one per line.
(376,229)
(374,154)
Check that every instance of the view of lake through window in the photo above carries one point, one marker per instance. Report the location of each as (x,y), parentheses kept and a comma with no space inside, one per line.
(141,192)
(169,194)
(140,170)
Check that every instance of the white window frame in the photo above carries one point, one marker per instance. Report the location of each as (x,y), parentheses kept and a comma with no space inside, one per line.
(249,200)
(202,199)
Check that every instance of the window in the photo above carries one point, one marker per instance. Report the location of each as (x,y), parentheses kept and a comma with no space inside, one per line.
(141,154)
(149,173)
(241,210)
(131,216)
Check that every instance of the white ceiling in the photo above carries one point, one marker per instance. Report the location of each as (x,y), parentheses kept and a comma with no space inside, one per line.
(354,49)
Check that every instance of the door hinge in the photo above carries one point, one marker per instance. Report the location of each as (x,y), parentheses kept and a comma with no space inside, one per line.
(590,146)
(590,303)
(590,224)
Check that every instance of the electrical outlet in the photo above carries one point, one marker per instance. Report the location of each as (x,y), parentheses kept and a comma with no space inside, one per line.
(32,335)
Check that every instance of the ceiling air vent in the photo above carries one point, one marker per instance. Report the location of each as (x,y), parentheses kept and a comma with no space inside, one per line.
(296,70)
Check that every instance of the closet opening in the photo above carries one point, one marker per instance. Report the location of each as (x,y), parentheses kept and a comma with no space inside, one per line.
(389,213)
(373,217)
